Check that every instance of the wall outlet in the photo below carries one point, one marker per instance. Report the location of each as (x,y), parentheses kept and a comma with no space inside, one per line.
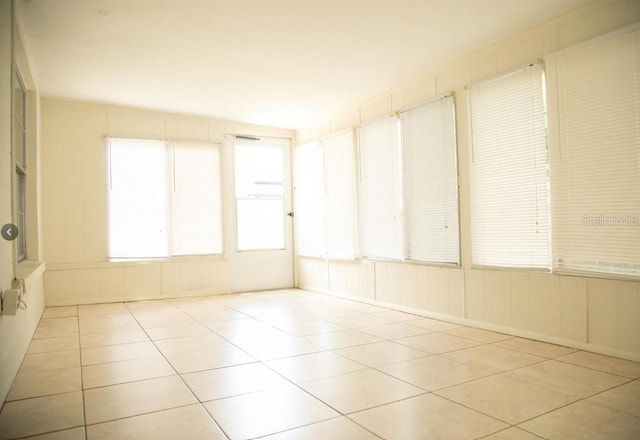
(10,298)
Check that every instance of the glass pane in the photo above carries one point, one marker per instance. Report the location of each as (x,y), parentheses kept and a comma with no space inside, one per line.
(196,212)
(260,224)
(18,99)
(19,145)
(20,217)
(258,171)
(137,200)
(259,189)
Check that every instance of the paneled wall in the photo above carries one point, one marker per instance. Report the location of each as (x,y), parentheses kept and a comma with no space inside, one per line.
(16,330)
(75,185)
(598,314)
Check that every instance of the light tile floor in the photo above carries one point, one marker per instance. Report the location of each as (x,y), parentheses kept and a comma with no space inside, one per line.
(296,365)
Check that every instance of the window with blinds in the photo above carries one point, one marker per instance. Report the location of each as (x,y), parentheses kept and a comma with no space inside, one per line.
(340,196)
(595,88)
(380,190)
(509,172)
(164,199)
(430,183)
(309,200)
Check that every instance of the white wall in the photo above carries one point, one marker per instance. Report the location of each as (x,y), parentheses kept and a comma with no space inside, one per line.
(16,331)
(598,314)
(74,175)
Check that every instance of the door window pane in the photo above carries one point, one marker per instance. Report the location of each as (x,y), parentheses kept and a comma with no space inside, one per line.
(259,190)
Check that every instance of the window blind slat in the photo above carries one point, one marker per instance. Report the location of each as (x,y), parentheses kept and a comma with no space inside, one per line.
(430,182)
(596,160)
(340,196)
(380,190)
(309,200)
(509,171)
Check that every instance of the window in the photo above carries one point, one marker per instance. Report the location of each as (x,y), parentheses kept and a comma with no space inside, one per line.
(259,188)
(309,200)
(596,155)
(20,159)
(509,171)
(431,182)
(164,199)
(340,196)
(380,201)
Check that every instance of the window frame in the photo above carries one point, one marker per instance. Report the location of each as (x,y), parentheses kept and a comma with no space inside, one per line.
(20,158)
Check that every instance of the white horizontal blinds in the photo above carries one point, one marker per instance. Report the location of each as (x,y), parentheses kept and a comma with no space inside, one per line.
(596,165)
(509,171)
(431,182)
(195,200)
(309,200)
(340,196)
(380,201)
(138,216)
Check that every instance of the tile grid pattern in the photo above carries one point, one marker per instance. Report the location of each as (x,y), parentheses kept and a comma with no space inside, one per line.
(293,364)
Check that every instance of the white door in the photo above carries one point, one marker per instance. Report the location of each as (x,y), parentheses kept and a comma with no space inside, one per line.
(260,233)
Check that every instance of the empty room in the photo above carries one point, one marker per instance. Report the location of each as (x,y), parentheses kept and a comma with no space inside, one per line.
(320,219)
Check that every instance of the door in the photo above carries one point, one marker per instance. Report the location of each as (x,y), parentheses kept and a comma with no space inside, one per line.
(261,244)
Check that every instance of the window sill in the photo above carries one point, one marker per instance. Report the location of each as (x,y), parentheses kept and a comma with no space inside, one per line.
(27,269)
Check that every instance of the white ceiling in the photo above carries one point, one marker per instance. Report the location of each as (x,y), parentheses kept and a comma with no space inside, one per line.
(281,63)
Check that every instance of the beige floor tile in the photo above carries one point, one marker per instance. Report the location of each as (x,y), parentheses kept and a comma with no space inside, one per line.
(512,434)
(537,348)
(125,371)
(189,422)
(493,359)
(434,324)
(572,380)
(342,339)
(233,381)
(437,343)
(280,347)
(101,309)
(135,398)
(625,398)
(607,364)
(215,315)
(46,382)
(314,366)
(394,331)
(381,353)
(177,331)
(506,399)
(60,312)
(427,417)
(340,428)
(116,353)
(267,412)
(48,345)
(360,321)
(192,343)
(479,335)
(163,318)
(239,330)
(56,327)
(51,361)
(585,421)
(191,361)
(41,415)
(360,390)
(308,328)
(113,338)
(67,434)
(433,372)
(149,306)
(97,324)
(396,316)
